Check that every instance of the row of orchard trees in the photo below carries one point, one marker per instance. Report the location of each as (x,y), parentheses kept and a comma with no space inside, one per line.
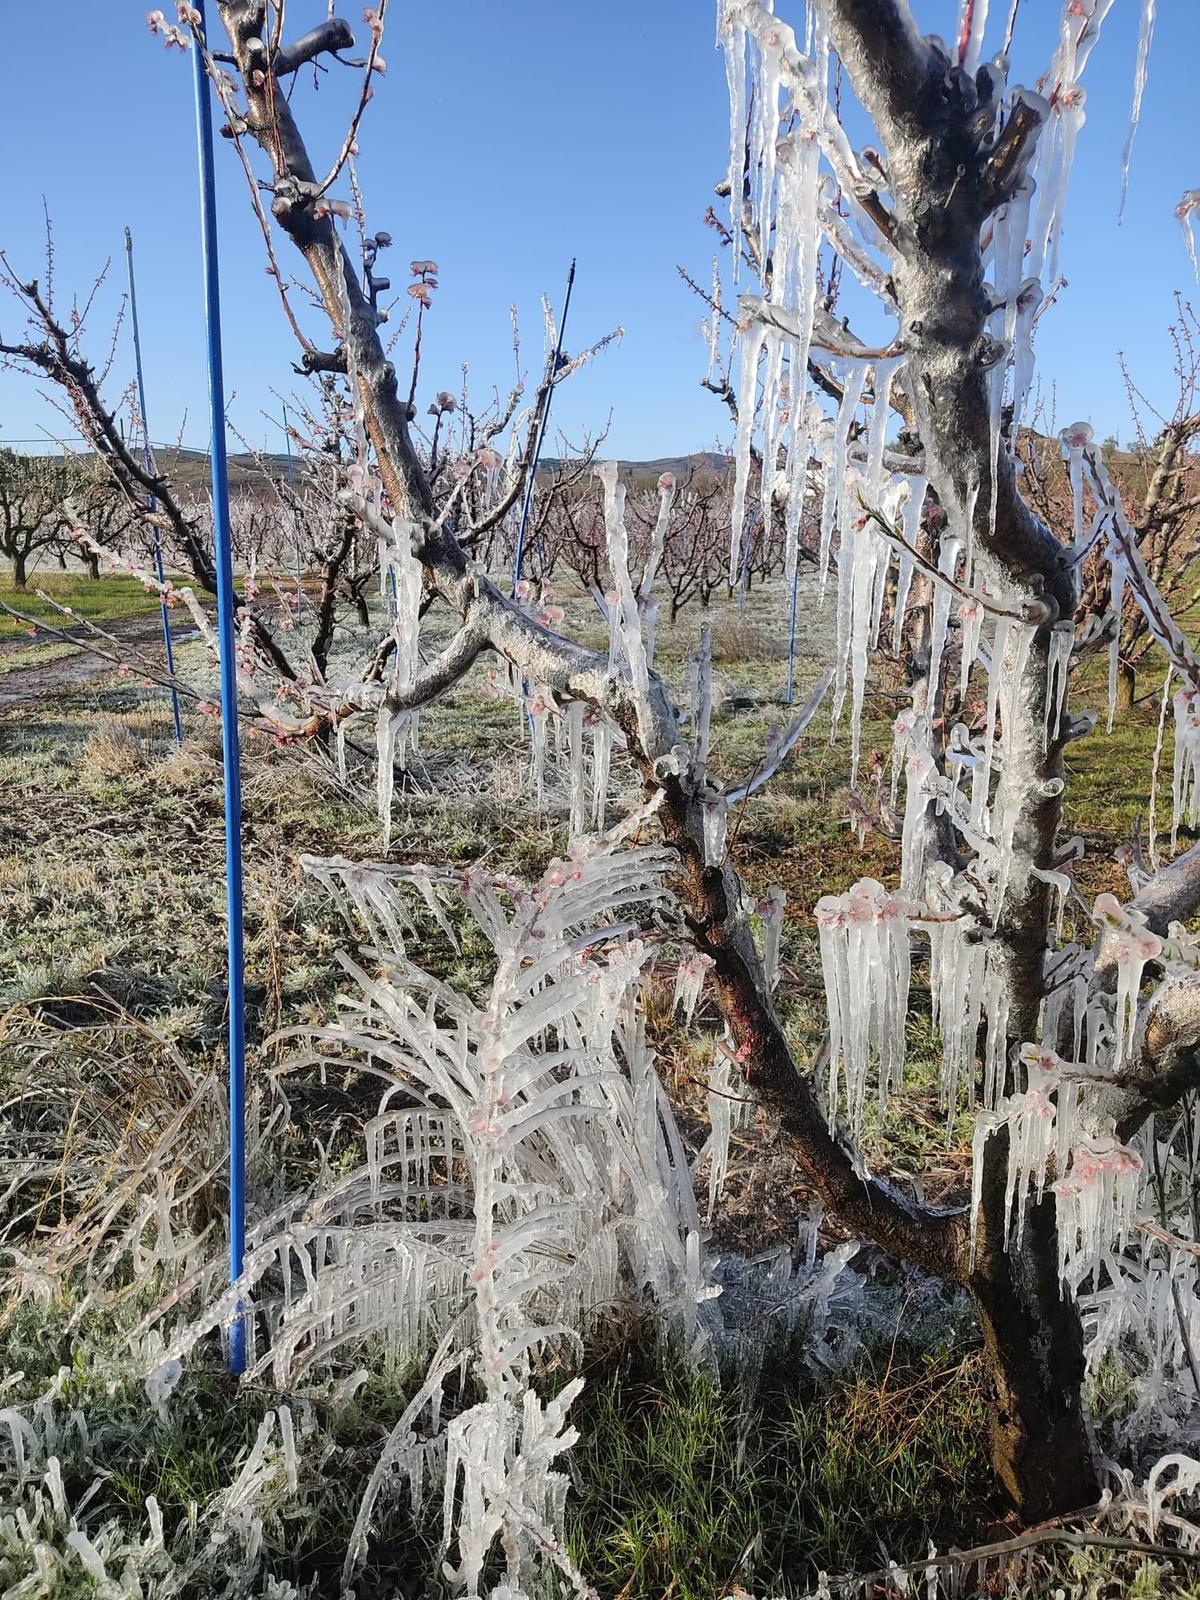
(43,498)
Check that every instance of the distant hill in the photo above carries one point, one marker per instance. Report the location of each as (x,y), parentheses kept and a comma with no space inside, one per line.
(707,461)
(190,469)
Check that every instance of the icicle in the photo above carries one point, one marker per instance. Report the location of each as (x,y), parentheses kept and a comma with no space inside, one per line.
(578,790)
(726,1096)
(995,1054)
(1096,1205)
(970,617)
(753,336)
(914,507)
(797,243)
(1008,797)
(714,327)
(972,25)
(1185,210)
(387,727)
(715,819)
(835,463)
(689,981)
(702,707)
(999,648)
(948,554)
(771,909)
(1058,675)
(866,565)
(634,645)
(601,759)
(1032,1138)
(1060,882)
(1075,440)
(1029,300)
(538,711)
(658,539)
(763,151)
(770,412)
(985,1125)
(1145,34)
(732,36)
(864,940)
(1070,107)
(1134,946)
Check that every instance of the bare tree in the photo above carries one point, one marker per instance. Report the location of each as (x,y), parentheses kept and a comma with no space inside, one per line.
(944,201)
(950,179)
(32,518)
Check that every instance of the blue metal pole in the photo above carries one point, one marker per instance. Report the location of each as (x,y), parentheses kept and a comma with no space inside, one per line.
(229,722)
(148,458)
(527,501)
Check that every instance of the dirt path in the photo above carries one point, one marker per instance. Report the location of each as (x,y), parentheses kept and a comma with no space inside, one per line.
(45,679)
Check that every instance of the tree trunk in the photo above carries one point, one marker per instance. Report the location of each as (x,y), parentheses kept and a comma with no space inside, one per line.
(20,570)
(1041,1445)
(1126,686)
(92,561)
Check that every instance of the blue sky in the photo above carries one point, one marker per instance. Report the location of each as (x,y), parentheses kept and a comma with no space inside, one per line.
(505,138)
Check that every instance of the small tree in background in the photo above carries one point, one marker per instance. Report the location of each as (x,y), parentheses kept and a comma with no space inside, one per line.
(33,490)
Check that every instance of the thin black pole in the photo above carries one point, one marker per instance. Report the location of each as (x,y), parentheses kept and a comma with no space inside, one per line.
(540,432)
(148,458)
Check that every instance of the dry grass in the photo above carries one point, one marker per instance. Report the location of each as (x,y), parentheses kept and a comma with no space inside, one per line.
(738,639)
(114,750)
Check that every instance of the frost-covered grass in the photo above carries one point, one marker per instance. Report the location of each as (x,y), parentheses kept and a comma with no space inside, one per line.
(111,886)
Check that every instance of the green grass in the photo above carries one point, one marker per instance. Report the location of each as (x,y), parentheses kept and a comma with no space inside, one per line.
(690,1485)
(103,600)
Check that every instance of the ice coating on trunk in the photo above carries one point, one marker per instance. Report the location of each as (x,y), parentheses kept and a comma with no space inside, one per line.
(716,818)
